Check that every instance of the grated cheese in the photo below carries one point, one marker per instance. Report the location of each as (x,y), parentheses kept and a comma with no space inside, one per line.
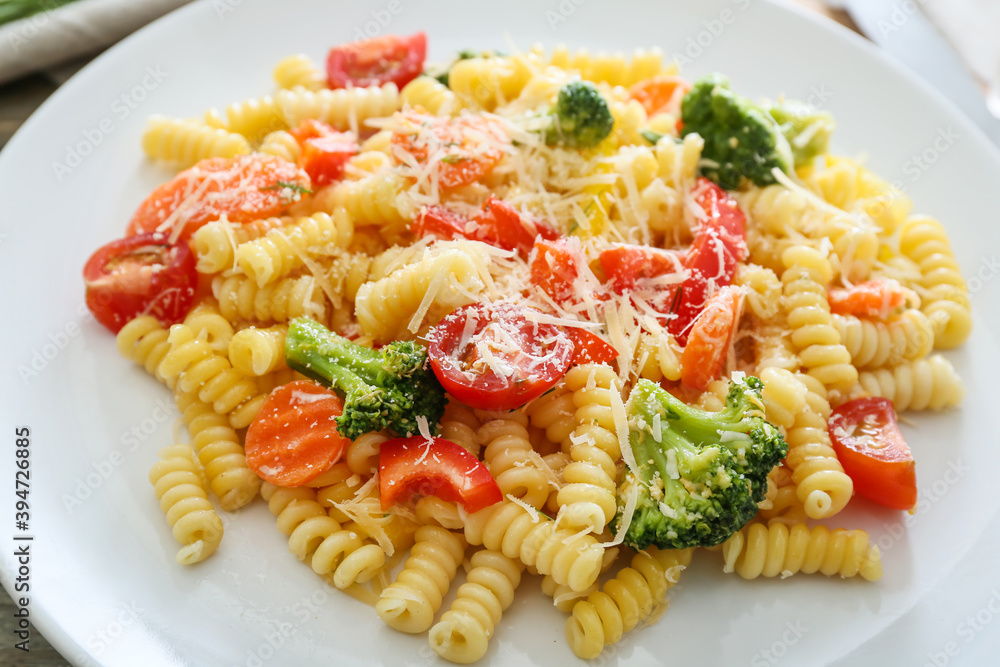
(535,517)
(627,513)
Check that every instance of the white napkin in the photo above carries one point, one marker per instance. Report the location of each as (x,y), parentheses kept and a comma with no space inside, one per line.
(73,30)
(973,28)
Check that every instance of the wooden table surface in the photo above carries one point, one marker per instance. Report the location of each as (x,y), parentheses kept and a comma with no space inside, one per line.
(18,100)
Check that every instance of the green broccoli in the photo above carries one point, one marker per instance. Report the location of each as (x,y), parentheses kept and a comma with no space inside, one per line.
(581,117)
(742,141)
(807,130)
(700,474)
(386,388)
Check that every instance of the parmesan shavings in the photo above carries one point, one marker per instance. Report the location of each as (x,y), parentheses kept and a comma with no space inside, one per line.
(621,429)
(360,515)
(627,513)
(535,518)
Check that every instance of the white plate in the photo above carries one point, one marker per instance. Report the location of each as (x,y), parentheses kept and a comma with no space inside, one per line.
(104,587)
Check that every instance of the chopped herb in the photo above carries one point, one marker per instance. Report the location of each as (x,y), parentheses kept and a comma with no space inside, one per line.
(651,137)
(453,159)
(675,303)
(294,187)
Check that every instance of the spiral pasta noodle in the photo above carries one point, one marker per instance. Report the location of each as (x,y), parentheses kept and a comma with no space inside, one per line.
(615,69)
(873,344)
(946,295)
(631,597)
(185,142)
(464,631)
(430,94)
(573,559)
(507,454)
(344,109)
(763,294)
(280,251)
(281,144)
(554,412)
(657,357)
(253,119)
(921,384)
(362,454)
(144,341)
(460,425)
(341,556)
(254,351)
(219,451)
(177,483)
(215,244)
(784,396)
(298,71)
(849,186)
(196,367)
(805,279)
(780,550)
(394,306)
(488,82)
(281,301)
(591,476)
(821,483)
(785,507)
(410,602)
(377,199)
(209,325)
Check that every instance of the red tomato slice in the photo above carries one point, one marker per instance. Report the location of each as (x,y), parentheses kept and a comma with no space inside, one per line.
(589,348)
(704,356)
(140,275)
(493,357)
(719,244)
(878,298)
(501,225)
(555,269)
(243,188)
(325,151)
(465,149)
(874,453)
(433,467)
(705,274)
(660,94)
(294,438)
(724,215)
(629,267)
(373,62)
(440,222)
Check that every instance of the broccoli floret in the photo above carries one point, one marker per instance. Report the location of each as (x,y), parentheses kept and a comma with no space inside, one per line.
(699,474)
(385,388)
(580,118)
(742,141)
(807,130)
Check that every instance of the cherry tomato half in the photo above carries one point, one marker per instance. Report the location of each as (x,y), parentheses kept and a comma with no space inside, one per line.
(494,357)
(874,453)
(140,275)
(373,62)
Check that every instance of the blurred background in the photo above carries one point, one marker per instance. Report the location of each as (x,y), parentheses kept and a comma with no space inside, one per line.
(951,44)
